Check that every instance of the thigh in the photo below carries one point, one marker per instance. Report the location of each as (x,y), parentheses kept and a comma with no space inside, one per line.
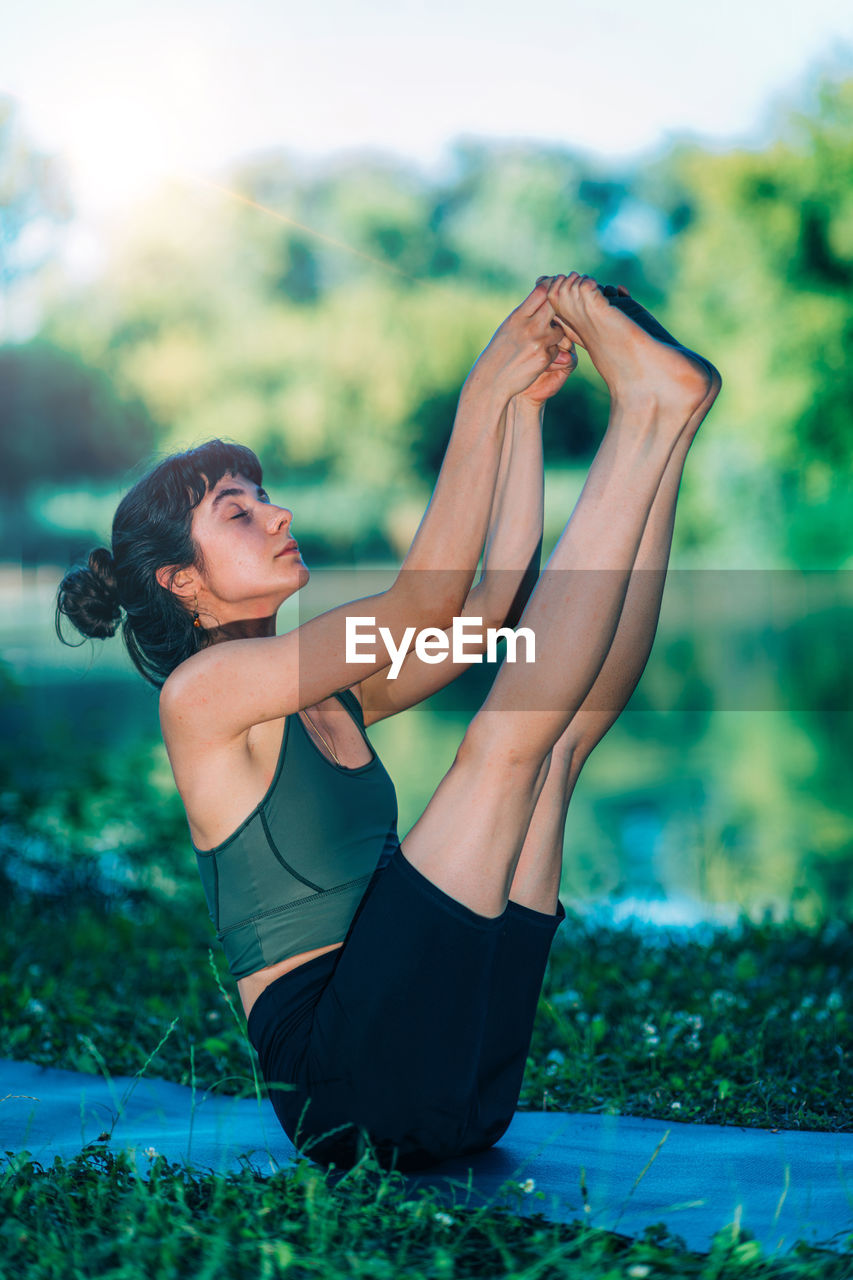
(279,1028)
(521,958)
(469,837)
(397,1032)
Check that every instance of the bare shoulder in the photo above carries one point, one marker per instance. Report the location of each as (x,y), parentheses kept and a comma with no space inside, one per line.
(215,770)
(194,694)
(179,690)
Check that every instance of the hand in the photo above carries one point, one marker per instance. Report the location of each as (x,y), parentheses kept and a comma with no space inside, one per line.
(564,363)
(552,380)
(565,294)
(523,347)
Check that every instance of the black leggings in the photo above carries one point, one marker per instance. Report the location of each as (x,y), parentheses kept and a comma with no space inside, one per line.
(413,1035)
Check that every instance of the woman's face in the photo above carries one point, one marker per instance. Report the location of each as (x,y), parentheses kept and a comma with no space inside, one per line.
(251,562)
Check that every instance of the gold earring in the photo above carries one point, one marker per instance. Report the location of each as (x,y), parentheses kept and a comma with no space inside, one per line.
(196,622)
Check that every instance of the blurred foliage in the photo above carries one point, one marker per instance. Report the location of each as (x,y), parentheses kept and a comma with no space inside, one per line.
(331,325)
(60,420)
(763,251)
(342,365)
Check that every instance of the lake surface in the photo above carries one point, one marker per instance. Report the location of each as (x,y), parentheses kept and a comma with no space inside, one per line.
(723,786)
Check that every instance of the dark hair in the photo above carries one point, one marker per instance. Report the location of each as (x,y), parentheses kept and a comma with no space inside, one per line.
(151,530)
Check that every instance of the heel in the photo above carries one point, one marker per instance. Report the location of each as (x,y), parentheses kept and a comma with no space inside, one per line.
(632,309)
(640,316)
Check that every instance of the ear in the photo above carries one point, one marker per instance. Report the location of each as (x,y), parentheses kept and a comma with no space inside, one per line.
(181,582)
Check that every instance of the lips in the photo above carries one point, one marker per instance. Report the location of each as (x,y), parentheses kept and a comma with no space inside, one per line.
(293,545)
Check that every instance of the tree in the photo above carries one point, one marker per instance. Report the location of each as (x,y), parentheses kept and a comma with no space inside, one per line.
(63,421)
(761,270)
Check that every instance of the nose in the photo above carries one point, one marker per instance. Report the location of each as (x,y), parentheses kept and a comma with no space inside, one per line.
(279,518)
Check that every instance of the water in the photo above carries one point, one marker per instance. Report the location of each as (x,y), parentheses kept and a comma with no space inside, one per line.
(723,787)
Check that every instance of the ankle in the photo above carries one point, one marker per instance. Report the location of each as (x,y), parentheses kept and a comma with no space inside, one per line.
(643,433)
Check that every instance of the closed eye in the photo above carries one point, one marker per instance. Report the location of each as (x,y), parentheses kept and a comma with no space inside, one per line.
(241,514)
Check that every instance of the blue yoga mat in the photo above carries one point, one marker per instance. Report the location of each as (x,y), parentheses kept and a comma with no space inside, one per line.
(697,1179)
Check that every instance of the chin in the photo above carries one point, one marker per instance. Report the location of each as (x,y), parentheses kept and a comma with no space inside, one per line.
(301,574)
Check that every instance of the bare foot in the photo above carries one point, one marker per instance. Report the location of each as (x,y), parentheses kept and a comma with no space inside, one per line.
(640,368)
(619,297)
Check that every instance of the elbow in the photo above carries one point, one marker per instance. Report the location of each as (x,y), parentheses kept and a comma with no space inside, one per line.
(432,598)
(493,613)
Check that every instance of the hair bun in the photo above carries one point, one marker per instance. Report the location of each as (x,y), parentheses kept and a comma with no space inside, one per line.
(89,597)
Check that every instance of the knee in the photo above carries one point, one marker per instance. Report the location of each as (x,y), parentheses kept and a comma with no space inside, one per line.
(493,743)
(574,748)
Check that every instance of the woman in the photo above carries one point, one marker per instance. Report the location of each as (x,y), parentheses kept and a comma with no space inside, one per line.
(390,988)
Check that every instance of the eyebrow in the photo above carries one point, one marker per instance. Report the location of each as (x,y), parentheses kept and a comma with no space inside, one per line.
(233,493)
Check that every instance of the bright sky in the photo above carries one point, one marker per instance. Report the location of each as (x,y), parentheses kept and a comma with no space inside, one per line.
(131,91)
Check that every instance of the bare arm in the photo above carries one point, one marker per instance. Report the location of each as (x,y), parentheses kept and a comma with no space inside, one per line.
(454,528)
(512,544)
(511,561)
(514,540)
(265,678)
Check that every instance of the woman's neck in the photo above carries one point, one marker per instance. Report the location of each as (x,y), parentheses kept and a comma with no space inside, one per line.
(242,629)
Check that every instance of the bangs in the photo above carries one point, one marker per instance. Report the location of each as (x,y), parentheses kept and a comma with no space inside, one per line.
(186,477)
(200,469)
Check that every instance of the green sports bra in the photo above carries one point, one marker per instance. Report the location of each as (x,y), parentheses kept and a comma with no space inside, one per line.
(291,876)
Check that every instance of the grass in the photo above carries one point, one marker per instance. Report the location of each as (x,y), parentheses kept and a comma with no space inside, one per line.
(750,1027)
(99,1215)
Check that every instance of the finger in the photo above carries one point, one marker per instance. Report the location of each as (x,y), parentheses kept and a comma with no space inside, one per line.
(567,331)
(558,284)
(534,299)
(550,283)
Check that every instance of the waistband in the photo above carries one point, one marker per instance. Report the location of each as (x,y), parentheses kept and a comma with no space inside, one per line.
(291,992)
(287,996)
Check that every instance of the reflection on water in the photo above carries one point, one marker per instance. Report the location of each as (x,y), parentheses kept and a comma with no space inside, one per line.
(708,791)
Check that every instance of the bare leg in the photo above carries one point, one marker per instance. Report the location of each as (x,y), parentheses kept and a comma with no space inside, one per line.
(469,839)
(536,883)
